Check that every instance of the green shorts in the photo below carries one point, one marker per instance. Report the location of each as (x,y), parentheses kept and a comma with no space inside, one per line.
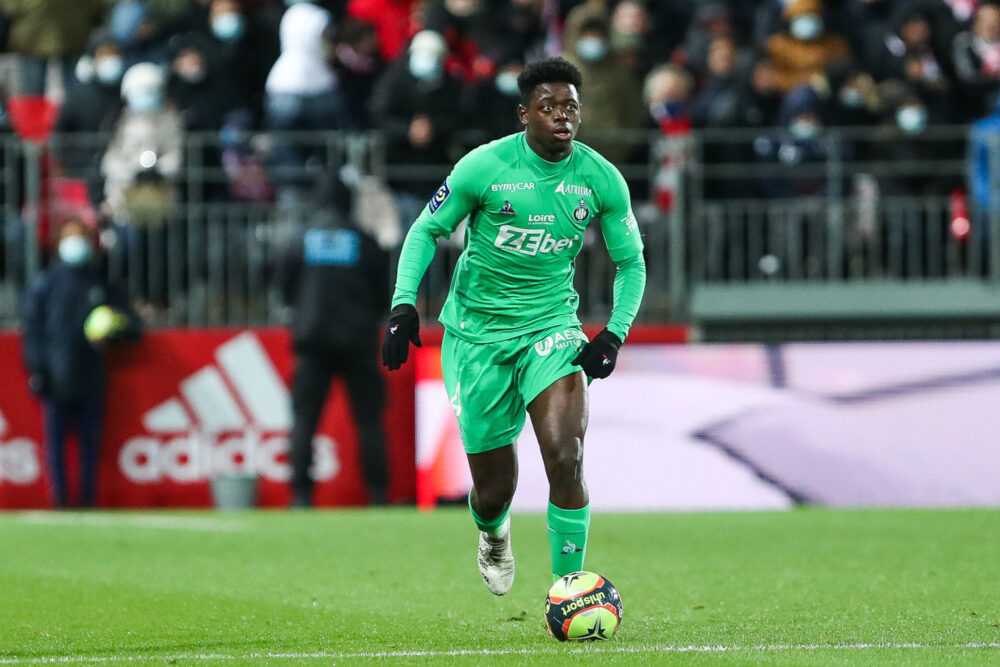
(491,384)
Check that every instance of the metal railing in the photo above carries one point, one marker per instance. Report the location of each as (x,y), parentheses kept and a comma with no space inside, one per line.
(857,207)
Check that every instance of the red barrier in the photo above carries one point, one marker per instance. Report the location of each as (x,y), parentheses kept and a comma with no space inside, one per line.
(184,405)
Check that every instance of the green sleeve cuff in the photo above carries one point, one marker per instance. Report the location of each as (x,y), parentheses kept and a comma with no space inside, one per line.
(630,282)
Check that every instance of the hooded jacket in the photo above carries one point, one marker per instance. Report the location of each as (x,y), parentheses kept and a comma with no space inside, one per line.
(301,69)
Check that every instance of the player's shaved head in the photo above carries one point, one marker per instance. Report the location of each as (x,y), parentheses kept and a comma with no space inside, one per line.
(552,70)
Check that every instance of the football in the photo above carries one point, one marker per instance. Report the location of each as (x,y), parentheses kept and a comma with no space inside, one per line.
(581,606)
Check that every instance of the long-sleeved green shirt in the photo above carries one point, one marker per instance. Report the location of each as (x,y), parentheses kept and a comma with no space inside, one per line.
(526,222)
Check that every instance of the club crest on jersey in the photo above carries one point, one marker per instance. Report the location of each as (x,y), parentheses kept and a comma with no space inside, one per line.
(581,212)
(507,209)
(439,197)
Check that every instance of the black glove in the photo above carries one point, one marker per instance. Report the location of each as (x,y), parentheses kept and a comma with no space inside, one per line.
(38,384)
(404,328)
(597,358)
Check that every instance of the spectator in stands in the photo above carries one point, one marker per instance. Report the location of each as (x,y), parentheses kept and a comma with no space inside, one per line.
(42,30)
(198,89)
(302,94)
(798,141)
(852,96)
(630,25)
(724,97)
(471,31)
(765,96)
(70,315)
(146,149)
(335,280)
(354,56)
(851,99)
(531,32)
(725,100)
(417,106)
(136,33)
(241,67)
(667,91)
(914,47)
(395,21)
(200,86)
(806,48)
(866,25)
(495,101)
(712,20)
(92,105)
(977,52)
(614,96)
(903,143)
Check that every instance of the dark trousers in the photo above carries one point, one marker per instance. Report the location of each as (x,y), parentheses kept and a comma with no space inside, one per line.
(84,418)
(313,374)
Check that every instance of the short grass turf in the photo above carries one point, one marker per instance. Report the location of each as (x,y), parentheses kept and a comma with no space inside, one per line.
(345,587)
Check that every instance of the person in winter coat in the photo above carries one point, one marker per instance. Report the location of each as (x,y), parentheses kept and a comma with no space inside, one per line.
(70,314)
(92,106)
(798,141)
(302,93)
(977,52)
(148,139)
(417,105)
(335,279)
(613,94)
(40,30)
(806,48)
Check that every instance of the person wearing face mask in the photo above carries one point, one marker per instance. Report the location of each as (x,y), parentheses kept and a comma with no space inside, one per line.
(492,101)
(798,140)
(91,106)
(70,315)
(805,48)
(148,138)
(417,104)
(614,93)
(141,166)
(904,139)
(238,66)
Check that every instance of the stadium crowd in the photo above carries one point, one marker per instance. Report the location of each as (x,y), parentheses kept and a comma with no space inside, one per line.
(427,72)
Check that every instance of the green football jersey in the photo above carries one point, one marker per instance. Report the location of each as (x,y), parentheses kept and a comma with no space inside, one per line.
(526,220)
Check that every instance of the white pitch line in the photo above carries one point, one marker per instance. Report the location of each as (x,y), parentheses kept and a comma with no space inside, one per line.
(625,650)
(112,520)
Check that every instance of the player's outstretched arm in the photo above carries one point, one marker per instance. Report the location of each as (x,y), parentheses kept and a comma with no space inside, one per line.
(451,204)
(598,357)
(404,322)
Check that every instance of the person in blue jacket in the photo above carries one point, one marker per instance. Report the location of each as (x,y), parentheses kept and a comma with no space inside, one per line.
(70,315)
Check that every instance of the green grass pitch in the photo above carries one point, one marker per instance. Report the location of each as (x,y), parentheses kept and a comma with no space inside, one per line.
(813,587)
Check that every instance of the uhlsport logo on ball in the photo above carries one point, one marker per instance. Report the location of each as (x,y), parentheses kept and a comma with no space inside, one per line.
(583,606)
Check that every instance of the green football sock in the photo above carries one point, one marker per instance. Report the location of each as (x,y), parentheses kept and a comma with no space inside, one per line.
(492,527)
(568,538)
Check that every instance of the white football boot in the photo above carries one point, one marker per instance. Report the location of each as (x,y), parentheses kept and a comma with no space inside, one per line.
(496,561)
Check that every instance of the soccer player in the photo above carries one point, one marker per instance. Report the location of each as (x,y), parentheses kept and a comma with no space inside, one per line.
(512,339)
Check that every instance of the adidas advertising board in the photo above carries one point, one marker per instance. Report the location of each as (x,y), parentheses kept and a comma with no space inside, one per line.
(184,406)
